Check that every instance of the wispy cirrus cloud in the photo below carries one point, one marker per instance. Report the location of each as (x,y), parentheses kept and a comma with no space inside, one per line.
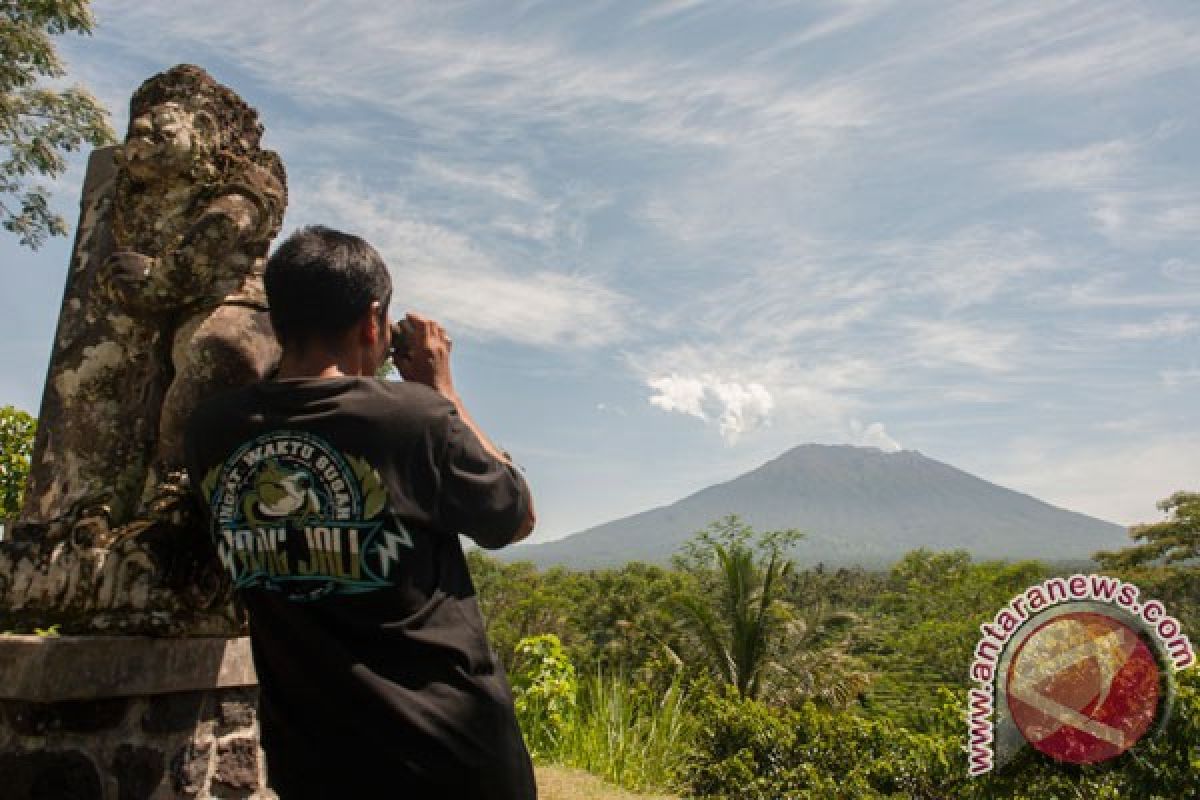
(1119,479)
(902,221)
(1091,166)
(1177,377)
(1146,216)
(969,267)
(441,271)
(1163,327)
(939,343)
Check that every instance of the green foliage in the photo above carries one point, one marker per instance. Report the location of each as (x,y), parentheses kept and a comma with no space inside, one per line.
(1170,541)
(39,125)
(1160,767)
(748,750)
(652,713)
(617,620)
(17,430)
(923,624)
(734,607)
(518,602)
(544,688)
(626,732)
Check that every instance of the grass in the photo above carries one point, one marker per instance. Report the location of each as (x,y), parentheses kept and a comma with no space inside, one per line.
(564,783)
(624,733)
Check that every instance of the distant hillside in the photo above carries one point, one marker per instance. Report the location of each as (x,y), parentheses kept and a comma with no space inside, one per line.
(858,505)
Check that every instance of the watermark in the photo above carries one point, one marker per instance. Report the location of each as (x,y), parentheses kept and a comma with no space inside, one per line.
(1079,668)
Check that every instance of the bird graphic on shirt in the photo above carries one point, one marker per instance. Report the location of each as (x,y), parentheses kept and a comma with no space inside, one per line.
(281,493)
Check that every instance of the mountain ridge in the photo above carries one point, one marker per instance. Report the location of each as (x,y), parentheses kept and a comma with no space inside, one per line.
(857,505)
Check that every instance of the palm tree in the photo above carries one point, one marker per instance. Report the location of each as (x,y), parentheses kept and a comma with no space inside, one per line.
(753,638)
(736,610)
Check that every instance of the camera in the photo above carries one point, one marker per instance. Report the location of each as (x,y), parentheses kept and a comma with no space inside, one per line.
(402,338)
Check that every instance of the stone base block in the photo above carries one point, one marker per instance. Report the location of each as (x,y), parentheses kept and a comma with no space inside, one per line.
(128,718)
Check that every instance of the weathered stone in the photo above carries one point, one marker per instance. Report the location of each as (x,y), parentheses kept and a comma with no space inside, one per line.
(237,711)
(164,305)
(169,713)
(237,764)
(75,716)
(138,770)
(189,768)
(164,301)
(85,667)
(46,775)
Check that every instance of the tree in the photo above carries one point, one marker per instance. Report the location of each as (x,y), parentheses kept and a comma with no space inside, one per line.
(1172,540)
(39,125)
(16,446)
(735,608)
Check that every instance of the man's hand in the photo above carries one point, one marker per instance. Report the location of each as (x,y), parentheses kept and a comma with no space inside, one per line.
(426,358)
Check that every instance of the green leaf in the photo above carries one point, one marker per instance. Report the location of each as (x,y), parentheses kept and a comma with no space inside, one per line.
(376,499)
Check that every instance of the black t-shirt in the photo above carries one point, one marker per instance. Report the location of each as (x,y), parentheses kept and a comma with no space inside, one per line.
(335,505)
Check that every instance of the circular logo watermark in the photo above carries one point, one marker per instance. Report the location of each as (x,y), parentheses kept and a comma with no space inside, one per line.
(1083,687)
(1079,668)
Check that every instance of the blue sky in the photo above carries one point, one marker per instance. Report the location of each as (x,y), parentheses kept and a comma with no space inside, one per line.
(675,239)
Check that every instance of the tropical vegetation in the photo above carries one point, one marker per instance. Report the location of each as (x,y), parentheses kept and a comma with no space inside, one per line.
(737,673)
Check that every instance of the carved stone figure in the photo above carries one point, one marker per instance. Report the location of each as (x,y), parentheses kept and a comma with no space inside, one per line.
(164,305)
(164,302)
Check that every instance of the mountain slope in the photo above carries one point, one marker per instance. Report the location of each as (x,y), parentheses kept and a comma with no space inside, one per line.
(858,506)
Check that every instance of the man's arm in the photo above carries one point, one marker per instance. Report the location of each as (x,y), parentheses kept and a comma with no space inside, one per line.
(427,361)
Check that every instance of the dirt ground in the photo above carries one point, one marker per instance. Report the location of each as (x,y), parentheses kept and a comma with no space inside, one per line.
(562,783)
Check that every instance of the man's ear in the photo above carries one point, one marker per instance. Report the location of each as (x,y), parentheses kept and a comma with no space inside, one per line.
(370,327)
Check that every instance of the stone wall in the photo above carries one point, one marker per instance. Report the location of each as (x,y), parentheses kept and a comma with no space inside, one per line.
(128,718)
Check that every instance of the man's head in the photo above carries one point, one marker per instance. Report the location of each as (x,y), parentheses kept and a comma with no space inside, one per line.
(330,290)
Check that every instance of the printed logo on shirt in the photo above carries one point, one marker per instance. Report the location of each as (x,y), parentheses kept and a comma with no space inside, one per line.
(293,514)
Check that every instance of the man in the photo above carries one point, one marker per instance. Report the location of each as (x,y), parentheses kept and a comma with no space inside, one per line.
(335,500)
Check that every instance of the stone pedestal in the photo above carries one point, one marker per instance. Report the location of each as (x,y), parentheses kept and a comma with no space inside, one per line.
(128,718)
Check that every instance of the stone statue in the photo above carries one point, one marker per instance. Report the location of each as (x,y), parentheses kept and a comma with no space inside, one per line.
(164,305)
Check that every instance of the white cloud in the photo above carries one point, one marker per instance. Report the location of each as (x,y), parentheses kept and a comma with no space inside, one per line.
(836,208)
(676,393)
(1120,481)
(1093,165)
(1139,216)
(1176,378)
(1062,48)
(1164,327)
(608,408)
(873,435)
(667,9)
(440,271)
(970,266)
(1182,270)
(510,182)
(938,343)
(1116,290)
(421,63)
(736,408)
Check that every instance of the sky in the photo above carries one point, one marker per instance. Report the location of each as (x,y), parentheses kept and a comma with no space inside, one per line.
(672,240)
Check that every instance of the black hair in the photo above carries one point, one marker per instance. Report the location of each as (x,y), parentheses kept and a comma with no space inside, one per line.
(320,282)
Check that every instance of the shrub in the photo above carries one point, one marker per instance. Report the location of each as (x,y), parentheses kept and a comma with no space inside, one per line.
(747,750)
(544,688)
